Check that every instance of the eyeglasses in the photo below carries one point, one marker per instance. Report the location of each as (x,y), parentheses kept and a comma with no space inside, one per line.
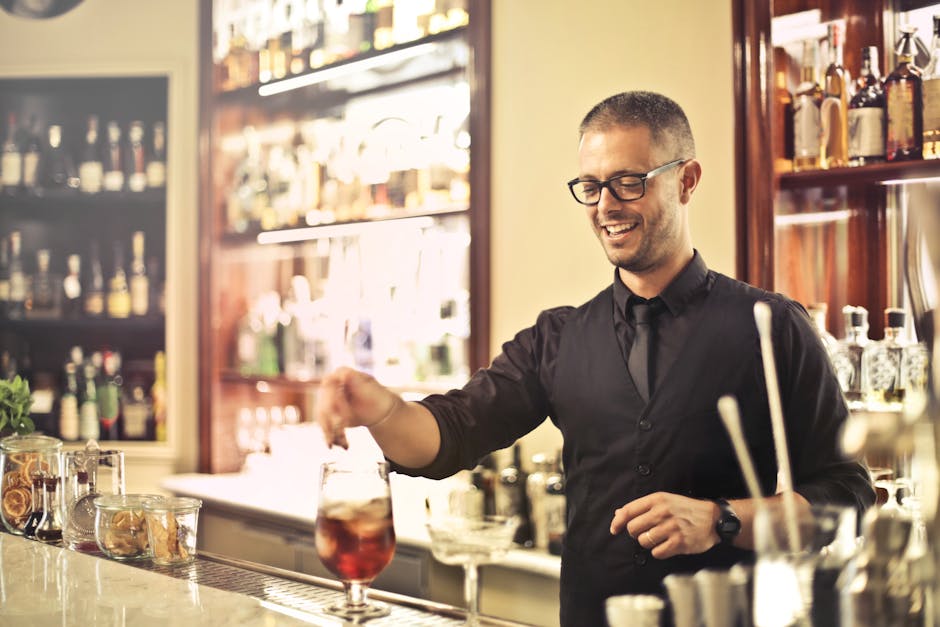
(624,188)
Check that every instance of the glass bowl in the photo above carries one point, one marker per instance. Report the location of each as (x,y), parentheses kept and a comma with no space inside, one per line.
(120,525)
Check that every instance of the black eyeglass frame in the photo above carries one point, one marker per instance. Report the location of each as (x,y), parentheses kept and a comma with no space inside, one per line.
(643,178)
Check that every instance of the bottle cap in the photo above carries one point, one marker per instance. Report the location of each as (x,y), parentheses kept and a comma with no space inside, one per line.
(895,318)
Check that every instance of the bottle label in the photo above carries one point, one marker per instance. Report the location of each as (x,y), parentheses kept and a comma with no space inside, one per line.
(119,304)
(4,291)
(11,167)
(113,181)
(156,174)
(72,287)
(94,304)
(68,417)
(866,132)
(140,295)
(806,127)
(932,114)
(90,174)
(900,98)
(88,421)
(137,182)
(136,417)
(17,287)
(30,167)
(108,404)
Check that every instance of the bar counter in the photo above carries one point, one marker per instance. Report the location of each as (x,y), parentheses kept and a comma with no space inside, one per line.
(44,585)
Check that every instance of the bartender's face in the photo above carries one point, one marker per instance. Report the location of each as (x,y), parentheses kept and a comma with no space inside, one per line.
(642,235)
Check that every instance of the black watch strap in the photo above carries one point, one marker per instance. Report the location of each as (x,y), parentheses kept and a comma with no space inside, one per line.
(729,525)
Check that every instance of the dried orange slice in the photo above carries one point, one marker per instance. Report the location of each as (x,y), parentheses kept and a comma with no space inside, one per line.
(12,479)
(31,465)
(16,505)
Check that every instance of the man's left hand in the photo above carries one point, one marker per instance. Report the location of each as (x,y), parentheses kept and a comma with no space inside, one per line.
(669,524)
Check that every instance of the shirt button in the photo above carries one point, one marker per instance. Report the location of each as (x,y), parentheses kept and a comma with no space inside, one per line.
(644,470)
(645,425)
(639,559)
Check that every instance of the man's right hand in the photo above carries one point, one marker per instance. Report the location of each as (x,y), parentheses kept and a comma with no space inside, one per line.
(350,398)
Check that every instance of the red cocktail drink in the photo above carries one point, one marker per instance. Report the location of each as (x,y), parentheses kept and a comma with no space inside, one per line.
(356,541)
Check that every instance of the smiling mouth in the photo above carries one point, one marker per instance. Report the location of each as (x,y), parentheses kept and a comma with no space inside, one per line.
(615,230)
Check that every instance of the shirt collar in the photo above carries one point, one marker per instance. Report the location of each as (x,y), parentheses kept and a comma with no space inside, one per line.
(688,283)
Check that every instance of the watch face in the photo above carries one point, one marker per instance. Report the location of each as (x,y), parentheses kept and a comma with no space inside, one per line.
(729,526)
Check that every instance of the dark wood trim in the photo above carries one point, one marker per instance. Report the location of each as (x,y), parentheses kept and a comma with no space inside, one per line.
(480,128)
(753,167)
(206,337)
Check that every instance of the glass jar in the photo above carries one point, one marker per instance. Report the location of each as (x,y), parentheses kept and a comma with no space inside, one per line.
(171,528)
(24,458)
(87,474)
(120,528)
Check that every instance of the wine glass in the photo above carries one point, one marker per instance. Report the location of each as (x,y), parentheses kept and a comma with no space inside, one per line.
(470,539)
(355,537)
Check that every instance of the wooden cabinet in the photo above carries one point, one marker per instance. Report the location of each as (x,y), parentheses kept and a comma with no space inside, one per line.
(344,205)
(838,235)
(67,219)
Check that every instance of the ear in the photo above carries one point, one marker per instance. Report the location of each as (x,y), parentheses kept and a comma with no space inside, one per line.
(689,177)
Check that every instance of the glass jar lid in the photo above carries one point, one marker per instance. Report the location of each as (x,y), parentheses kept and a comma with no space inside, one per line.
(172,504)
(23,443)
(117,502)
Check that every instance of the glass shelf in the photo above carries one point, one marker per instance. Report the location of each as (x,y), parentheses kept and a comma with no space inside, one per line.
(879,173)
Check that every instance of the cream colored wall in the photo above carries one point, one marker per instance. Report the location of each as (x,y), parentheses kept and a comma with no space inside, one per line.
(553,60)
(140,37)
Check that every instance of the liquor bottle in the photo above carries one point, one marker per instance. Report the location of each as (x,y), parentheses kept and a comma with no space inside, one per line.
(119,296)
(113,162)
(136,158)
(138,413)
(32,152)
(158,396)
(881,363)
(867,113)
(90,167)
(11,161)
(35,516)
(535,491)
(904,103)
(4,276)
(807,100)
(140,284)
(72,288)
(817,313)
(782,129)
(156,161)
(94,295)
(43,300)
(847,359)
(555,510)
(511,499)
(156,300)
(834,146)
(68,404)
(16,306)
(56,166)
(108,392)
(932,96)
(88,428)
(50,527)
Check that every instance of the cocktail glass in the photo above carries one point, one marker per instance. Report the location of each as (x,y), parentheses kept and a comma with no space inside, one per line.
(355,537)
(470,541)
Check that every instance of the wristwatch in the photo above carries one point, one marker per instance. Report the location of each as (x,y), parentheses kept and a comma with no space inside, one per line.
(729,525)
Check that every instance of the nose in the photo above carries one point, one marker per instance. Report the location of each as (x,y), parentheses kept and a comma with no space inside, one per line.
(607,202)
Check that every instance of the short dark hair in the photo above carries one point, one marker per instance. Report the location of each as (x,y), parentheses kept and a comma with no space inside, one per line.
(664,118)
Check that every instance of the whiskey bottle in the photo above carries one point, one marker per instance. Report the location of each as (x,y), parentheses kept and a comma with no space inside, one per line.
(904,103)
(11,159)
(16,306)
(817,313)
(156,163)
(511,499)
(782,129)
(56,166)
(90,167)
(881,363)
(43,301)
(94,295)
(834,144)
(140,284)
(867,113)
(807,100)
(847,358)
(158,396)
(137,158)
(88,428)
(108,392)
(4,276)
(68,404)
(32,152)
(72,288)
(932,96)
(138,413)
(119,296)
(113,163)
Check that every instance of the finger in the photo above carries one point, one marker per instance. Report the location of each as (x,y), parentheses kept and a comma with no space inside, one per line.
(646,520)
(650,538)
(628,512)
(669,547)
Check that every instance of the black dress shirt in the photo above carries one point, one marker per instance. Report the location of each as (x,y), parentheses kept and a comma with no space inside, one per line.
(571,367)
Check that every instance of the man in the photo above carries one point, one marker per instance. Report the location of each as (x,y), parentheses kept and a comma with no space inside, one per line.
(651,476)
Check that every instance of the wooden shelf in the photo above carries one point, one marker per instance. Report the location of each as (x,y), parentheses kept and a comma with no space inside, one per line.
(875,174)
(73,201)
(235,378)
(82,325)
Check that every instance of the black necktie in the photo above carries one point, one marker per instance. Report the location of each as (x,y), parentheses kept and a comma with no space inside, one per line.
(639,359)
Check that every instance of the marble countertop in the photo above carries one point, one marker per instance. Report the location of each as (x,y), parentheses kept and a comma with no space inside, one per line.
(44,585)
(263,492)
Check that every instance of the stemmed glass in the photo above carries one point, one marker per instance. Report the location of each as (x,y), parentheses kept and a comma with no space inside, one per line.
(355,537)
(468,538)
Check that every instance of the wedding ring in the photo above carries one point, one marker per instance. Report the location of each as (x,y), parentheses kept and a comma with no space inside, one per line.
(649,537)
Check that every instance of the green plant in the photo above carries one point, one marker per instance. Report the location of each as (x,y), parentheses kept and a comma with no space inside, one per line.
(15,402)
